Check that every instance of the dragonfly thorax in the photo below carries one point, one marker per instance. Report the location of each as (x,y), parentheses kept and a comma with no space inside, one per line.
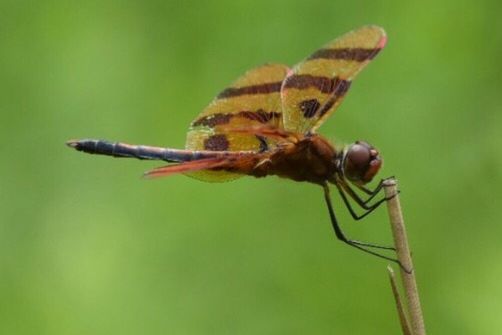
(360,162)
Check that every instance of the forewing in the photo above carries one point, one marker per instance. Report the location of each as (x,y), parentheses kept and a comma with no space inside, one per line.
(316,86)
(252,101)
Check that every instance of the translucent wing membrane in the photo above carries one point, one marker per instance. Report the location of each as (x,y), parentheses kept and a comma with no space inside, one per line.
(191,166)
(315,87)
(252,101)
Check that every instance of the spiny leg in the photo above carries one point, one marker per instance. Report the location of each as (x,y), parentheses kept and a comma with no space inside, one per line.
(341,236)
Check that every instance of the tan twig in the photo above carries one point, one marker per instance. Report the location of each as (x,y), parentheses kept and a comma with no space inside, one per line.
(404,256)
(405,326)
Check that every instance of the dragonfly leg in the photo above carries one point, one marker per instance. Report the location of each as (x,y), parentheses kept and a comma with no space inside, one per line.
(372,193)
(356,244)
(354,215)
(361,202)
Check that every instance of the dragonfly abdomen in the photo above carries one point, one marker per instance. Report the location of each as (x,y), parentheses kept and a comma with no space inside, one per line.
(119,149)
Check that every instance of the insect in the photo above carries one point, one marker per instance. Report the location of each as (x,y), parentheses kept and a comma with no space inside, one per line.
(265,124)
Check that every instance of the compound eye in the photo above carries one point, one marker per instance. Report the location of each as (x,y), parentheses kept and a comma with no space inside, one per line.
(358,156)
(362,162)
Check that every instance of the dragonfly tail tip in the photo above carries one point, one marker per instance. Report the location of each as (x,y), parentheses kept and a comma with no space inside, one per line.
(72,143)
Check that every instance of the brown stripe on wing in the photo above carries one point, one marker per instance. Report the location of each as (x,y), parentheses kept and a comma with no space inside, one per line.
(260,115)
(212,120)
(217,119)
(355,54)
(304,81)
(250,90)
(339,93)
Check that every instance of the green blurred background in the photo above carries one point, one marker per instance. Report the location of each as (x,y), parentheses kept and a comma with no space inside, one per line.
(89,247)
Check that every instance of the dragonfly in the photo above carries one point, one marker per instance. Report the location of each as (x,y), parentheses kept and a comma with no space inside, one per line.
(266,124)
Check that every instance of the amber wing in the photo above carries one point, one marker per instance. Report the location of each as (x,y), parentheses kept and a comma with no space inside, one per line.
(317,85)
(251,101)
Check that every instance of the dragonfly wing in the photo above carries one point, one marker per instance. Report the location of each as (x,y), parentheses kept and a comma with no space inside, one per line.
(316,86)
(185,167)
(252,101)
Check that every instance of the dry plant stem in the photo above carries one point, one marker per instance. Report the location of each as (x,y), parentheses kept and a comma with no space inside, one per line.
(405,326)
(404,256)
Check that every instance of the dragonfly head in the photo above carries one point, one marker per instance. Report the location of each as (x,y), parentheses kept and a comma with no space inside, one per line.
(360,162)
